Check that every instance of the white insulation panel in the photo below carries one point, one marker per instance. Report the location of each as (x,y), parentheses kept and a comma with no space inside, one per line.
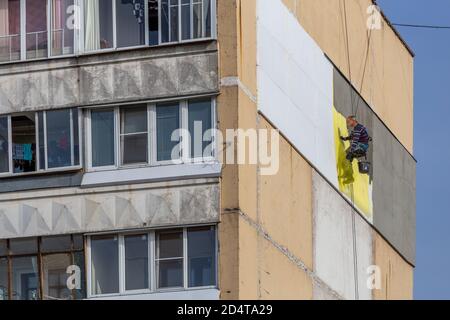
(295,85)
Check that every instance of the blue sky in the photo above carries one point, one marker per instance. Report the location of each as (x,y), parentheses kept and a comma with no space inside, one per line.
(432,138)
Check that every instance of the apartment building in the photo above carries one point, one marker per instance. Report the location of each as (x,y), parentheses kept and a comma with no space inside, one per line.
(111,181)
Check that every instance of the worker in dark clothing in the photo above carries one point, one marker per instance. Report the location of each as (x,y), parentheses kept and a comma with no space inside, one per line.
(359,138)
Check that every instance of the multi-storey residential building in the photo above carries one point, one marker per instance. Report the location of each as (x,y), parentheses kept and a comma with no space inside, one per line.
(112,184)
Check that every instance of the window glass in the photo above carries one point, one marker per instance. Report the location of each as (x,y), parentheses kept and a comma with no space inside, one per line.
(167,122)
(56,244)
(9,30)
(63,25)
(36,29)
(98,24)
(54,281)
(186,19)
(58,139)
(153,22)
(130,21)
(200,123)
(80,289)
(4,146)
(102,128)
(41,137)
(76,138)
(24,142)
(169,20)
(169,259)
(23,246)
(207,17)
(201,256)
(165,21)
(3,279)
(134,135)
(197,17)
(136,262)
(25,278)
(104,264)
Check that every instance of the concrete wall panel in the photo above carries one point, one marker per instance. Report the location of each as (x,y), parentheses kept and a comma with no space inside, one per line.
(341,244)
(285,202)
(394,192)
(144,74)
(393,172)
(295,85)
(76,211)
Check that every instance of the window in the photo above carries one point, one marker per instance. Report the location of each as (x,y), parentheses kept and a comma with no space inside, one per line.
(4,145)
(105,264)
(4,295)
(60,150)
(200,125)
(167,124)
(29,271)
(39,141)
(153,261)
(134,135)
(62,27)
(153,23)
(25,278)
(98,24)
(24,142)
(36,29)
(9,30)
(169,259)
(120,136)
(136,262)
(201,256)
(185,19)
(113,24)
(130,23)
(102,138)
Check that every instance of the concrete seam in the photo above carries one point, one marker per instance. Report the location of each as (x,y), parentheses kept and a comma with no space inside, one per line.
(285,251)
(258,207)
(236,82)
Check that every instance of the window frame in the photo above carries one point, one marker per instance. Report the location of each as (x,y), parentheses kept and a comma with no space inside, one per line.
(37,142)
(39,254)
(152,276)
(180,30)
(152,137)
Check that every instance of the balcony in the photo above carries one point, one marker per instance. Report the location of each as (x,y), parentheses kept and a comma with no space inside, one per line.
(42,29)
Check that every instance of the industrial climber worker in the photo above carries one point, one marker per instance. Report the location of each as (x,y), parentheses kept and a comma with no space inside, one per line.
(359,138)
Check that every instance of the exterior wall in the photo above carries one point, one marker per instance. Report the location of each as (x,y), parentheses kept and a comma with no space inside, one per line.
(296,222)
(342,243)
(397,276)
(125,76)
(340,29)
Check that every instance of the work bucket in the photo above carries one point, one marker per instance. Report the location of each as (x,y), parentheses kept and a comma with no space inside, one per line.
(364,167)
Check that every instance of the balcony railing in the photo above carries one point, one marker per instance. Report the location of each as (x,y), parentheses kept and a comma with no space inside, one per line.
(10,47)
(36,45)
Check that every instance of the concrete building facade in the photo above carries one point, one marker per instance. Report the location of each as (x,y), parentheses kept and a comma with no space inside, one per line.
(105,192)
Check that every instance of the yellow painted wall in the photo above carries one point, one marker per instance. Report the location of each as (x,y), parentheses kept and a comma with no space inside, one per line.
(355,185)
(397,276)
(387,83)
